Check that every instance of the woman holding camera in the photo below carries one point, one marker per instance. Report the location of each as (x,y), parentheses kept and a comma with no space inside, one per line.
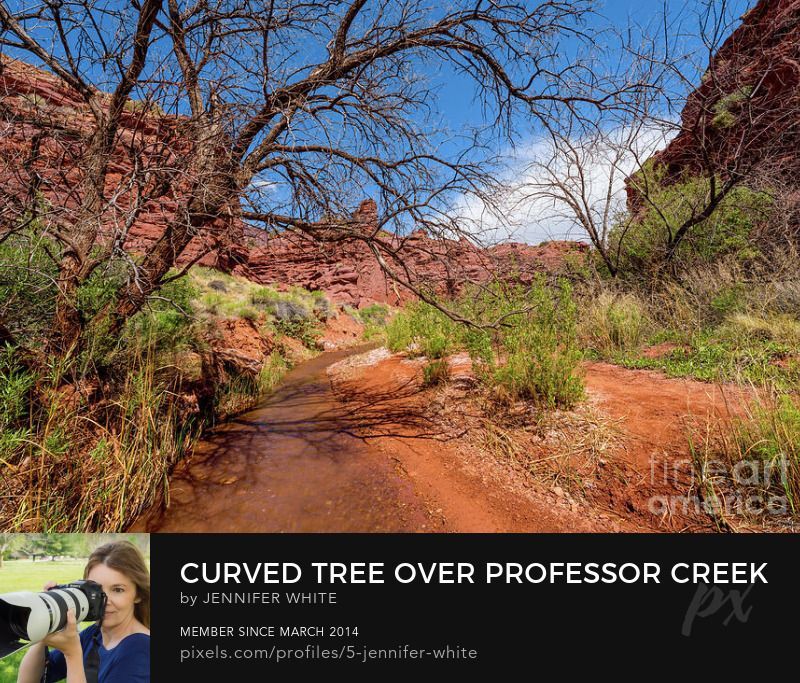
(113,650)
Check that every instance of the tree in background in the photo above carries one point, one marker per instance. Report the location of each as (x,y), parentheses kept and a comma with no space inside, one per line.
(52,545)
(733,119)
(9,543)
(284,114)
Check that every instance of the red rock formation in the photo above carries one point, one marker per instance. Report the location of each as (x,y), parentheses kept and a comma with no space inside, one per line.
(745,114)
(37,109)
(350,275)
(44,127)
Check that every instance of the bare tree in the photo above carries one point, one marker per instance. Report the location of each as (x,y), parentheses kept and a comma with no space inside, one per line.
(581,182)
(283,113)
(730,124)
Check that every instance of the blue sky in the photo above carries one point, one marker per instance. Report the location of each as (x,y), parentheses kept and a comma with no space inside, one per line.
(535,223)
(456,110)
(457,103)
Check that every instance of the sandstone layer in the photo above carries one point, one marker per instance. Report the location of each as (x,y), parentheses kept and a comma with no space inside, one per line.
(45,127)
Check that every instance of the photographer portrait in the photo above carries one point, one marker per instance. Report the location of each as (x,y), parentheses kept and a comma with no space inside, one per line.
(114,649)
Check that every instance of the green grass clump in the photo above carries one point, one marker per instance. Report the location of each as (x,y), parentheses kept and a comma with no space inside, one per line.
(709,357)
(523,342)
(435,372)
(612,323)
(756,462)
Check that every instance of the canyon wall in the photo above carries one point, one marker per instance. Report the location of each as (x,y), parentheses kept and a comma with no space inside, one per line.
(45,126)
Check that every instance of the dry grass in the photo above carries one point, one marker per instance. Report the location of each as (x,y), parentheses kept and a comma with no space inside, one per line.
(568,449)
(610,323)
(749,471)
(93,454)
(96,467)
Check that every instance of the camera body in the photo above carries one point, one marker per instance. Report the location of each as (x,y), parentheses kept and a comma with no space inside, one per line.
(95,598)
(33,616)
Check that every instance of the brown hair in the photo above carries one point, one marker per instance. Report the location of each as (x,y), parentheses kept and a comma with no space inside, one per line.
(126,558)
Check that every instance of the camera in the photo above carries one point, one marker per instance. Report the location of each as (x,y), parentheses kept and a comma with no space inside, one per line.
(33,616)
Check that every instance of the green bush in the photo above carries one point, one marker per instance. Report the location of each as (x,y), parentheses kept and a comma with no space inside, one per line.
(435,372)
(729,299)
(613,323)
(15,386)
(542,354)
(165,322)
(727,108)
(374,314)
(643,242)
(28,270)
(305,331)
(530,354)
(265,297)
(434,332)
(100,288)
(398,332)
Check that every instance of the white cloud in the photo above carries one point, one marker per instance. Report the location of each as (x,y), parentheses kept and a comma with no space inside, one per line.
(524,214)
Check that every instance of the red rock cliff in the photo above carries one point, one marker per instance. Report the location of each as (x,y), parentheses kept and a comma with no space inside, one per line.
(44,125)
(745,114)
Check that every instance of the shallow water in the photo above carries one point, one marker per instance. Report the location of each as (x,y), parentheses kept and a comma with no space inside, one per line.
(293,464)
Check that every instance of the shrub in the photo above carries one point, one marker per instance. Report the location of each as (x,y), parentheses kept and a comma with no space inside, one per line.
(15,385)
(613,323)
(435,372)
(727,107)
(532,354)
(541,349)
(247,313)
(374,314)
(729,299)
(432,333)
(165,322)
(398,333)
(264,297)
(27,274)
(290,311)
(642,243)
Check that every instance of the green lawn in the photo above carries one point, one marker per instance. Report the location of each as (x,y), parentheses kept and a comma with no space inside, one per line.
(24,575)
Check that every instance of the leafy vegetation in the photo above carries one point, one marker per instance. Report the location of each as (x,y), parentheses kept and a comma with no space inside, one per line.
(523,345)
(751,470)
(642,244)
(87,442)
(435,372)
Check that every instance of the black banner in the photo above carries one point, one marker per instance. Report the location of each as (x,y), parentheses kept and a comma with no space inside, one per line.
(244,605)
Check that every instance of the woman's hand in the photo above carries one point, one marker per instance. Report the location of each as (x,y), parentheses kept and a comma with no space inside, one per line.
(67,639)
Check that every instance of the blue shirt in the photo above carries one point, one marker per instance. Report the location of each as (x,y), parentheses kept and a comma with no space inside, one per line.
(127,662)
